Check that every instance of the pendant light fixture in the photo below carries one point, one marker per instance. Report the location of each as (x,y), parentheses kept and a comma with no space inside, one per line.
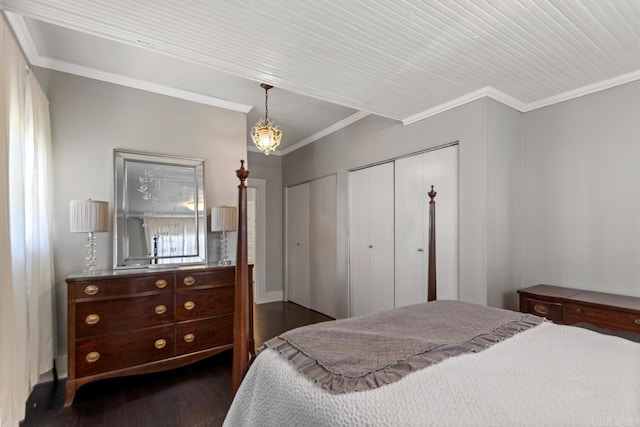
(266,135)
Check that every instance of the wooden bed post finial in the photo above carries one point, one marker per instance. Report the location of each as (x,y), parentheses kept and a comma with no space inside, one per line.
(242,173)
(432,195)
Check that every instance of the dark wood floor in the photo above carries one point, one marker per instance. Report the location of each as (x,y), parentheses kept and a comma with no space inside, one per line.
(195,395)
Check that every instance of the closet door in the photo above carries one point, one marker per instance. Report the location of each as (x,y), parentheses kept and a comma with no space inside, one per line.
(298,278)
(323,245)
(414,177)
(359,257)
(371,239)
(410,249)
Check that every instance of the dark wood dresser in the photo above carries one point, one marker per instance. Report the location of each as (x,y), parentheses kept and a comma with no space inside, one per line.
(571,306)
(128,323)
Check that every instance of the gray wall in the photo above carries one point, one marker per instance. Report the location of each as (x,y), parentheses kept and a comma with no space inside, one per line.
(90,118)
(581,192)
(374,139)
(504,205)
(269,168)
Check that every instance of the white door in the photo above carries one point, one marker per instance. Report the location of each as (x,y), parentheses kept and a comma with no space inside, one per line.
(298,284)
(414,177)
(371,225)
(323,244)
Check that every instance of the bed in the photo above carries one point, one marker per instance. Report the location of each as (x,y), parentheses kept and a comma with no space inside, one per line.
(442,363)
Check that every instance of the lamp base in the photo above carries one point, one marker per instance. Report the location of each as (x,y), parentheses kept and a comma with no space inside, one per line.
(91,269)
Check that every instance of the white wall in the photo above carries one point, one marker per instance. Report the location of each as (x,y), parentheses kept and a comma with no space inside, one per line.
(374,139)
(269,168)
(582,192)
(90,118)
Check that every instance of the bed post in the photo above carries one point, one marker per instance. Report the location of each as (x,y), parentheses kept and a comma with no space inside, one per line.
(241,294)
(431,284)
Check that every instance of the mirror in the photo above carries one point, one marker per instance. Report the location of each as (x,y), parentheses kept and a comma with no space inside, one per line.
(160,217)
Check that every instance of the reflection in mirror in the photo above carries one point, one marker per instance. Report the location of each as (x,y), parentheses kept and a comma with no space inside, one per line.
(160,216)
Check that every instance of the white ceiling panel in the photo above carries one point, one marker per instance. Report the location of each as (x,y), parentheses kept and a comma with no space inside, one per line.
(394,58)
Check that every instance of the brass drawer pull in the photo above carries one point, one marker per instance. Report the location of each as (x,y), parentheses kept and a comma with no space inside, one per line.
(92,319)
(189,280)
(160,343)
(161,283)
(93,357)
(578,310)
(540,309)
(189,305)
(189,338)
(637,321)
(161,309)
(91,290)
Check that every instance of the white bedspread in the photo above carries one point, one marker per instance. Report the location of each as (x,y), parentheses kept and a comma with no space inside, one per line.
(550,375)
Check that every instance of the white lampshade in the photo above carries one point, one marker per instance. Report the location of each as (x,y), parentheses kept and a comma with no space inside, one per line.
(224,218)
(87,216)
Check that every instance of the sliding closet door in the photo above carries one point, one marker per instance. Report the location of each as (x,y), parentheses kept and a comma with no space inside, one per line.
(359,257)
(323,244)
(414,177)
(298,278)
(410,223)
(371,262)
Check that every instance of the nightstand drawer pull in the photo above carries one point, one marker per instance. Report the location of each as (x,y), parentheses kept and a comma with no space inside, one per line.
(189,338)
(189,305)
(93,357)
(160,343)
(637,321)
(540,309)
(578,310)
(161,283)
(189,280)
(161,309)
(91,290)
(92,319)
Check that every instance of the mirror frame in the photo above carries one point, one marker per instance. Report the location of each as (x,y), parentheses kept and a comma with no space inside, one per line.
(122,259)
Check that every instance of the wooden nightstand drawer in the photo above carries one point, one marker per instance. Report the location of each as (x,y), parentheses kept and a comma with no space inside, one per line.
(192,279)
(610,319)
(117,351)
(99,288)
(550,310)
(123,314)
(200,303)
(202,334)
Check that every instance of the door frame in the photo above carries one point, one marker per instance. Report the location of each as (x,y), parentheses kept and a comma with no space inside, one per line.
(260,294)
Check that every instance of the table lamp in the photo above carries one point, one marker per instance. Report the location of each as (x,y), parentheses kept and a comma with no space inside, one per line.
(224,218)
(89,216)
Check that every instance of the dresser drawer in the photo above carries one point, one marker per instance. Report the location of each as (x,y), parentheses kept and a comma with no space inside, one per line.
(123,314)
(204,334)
(114,286)
(117,351)
(200,303)
(608,319)
(192,279)
(550,310)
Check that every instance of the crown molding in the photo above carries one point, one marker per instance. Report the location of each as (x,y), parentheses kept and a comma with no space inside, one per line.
(92,73)
(585,90)
(327,131)
(25,40)
(487,91)
(22,33)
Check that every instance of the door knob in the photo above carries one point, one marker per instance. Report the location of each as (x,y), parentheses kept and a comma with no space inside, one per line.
(370,246)
(420,250)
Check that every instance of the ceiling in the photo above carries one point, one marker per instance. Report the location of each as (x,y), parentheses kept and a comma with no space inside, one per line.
(333,62)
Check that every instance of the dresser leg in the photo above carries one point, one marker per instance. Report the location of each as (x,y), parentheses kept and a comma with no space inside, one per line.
(70,392)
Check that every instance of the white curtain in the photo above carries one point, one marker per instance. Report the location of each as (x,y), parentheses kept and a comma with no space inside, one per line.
(26,260)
